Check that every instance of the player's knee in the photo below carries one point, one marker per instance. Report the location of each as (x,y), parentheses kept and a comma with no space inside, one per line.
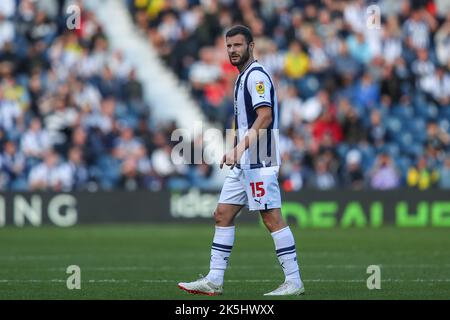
(273,222)
(222,218)
(270,225)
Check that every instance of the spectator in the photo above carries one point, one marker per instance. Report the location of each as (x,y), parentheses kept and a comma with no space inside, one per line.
(437,86)
(7,31)
(444,174)
(437,138)
(442,40)
(359,49)
(384,175)
(327,124)
(377,133)
(35,141)
(127,145)
(131,179)
(319,61)
(391,86)
(422,67)
(7,8)
(10,112)
(313,107)
(367,93)
(352,128)
(12,165)
(392,40)
(322,178)
(417,28)
(353,174)
(133,91)
(79,172)
(420,176)
(344,64)
(296,63)
(291,109)
(204,71)
(50,174)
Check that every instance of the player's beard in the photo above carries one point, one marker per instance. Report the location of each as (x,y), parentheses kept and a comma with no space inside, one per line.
(243,60)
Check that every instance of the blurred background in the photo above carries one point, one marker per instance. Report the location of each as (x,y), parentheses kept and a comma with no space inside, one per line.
(92,91)
(93,107)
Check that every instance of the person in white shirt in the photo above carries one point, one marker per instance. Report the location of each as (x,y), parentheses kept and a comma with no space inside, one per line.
(7,8)
(35,142)
(50,174)
(253,177)
(74,170)
(9,113)
(7,31)
(437,85)
(291,112)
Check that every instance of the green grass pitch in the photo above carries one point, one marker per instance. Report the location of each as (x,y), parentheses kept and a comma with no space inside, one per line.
(147,261)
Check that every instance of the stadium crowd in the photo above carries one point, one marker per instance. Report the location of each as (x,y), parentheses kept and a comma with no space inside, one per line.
(360,107)
(72,114)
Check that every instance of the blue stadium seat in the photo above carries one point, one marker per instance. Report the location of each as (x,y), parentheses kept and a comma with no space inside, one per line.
(308,86)
(342,150)
(403,112)
(420,111)
(432,111)
(405,140)
(110,171)
(394,125)
(444,124)
(403,163)
(368,156)
(418,125)
(392,149)
(444,113)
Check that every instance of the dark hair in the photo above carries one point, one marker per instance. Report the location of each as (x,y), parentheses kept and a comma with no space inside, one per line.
(239,29)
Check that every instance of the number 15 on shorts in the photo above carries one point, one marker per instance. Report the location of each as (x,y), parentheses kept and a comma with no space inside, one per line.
(257,189)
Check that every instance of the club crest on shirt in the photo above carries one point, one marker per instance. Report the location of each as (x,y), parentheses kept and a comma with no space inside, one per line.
(260,87)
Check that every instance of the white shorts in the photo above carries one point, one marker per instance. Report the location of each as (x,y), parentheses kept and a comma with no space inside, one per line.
(258,189)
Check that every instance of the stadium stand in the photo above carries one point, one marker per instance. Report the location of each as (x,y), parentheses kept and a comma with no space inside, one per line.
(361,108)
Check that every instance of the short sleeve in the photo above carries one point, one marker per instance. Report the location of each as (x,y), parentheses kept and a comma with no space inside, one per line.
(259,86)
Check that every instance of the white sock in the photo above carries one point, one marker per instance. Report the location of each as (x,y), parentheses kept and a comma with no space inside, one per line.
(287,256)
(220,252)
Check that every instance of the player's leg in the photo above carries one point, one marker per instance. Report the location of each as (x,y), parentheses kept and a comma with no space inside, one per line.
(223,241)
(285,250)
(221,247)
(232,199)
(273,219)
(263,193)
(225,213)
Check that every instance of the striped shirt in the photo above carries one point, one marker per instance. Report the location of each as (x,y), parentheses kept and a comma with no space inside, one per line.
(253,89)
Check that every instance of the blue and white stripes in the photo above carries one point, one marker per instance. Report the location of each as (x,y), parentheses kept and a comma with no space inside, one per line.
(221,247)
(287,250)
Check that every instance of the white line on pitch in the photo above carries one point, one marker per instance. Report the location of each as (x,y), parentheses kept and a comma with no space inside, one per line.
(231,281)
(275,266)
(195,254)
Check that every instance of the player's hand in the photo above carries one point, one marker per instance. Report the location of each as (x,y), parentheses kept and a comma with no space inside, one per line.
(230,158)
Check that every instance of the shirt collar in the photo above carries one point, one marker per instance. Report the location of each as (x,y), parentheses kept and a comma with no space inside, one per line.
(248,66)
